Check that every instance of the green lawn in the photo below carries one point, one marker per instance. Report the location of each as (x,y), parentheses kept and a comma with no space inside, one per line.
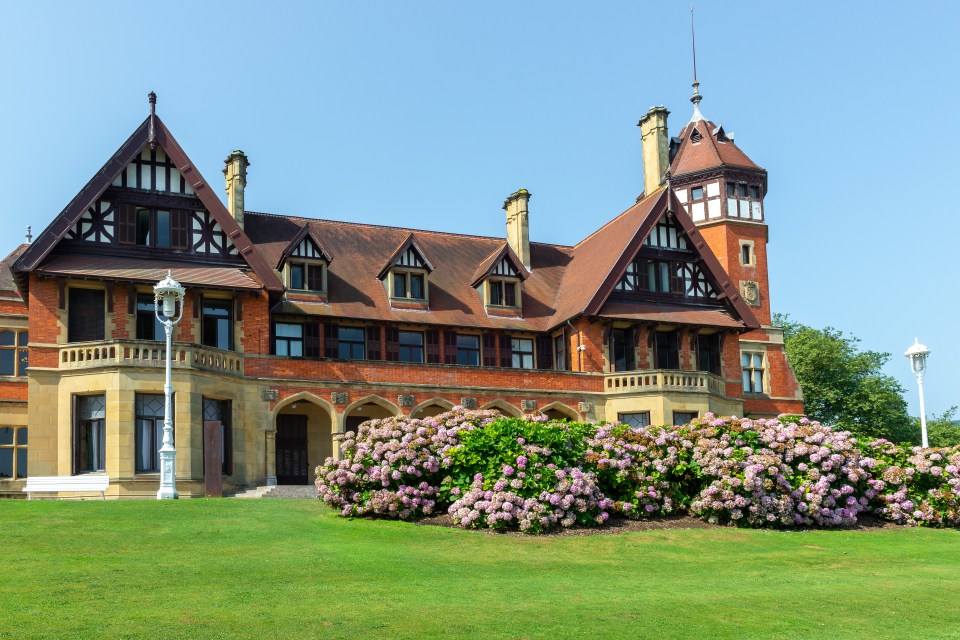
(292,569)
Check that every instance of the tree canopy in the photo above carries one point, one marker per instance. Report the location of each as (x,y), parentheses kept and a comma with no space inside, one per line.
(844,386)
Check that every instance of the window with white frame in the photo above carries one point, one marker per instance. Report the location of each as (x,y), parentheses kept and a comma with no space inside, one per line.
(753,371)
(89,434)
(521,350)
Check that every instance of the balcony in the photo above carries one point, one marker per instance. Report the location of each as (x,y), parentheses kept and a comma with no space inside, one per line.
(147,353)
(662,381)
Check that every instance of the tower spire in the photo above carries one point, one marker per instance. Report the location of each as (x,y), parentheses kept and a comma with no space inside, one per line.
(696,98)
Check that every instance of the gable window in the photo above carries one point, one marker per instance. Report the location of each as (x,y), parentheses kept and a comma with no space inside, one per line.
(410,344)
(85,316)
(351,343)
(666,347)
(468,350)
(217,324)
(635,420)
(13,452)
(408,284)
(501,293)
(622,351)
(752,365)
(149,227)
(149,431)
(148,326)
(709,353)
(522,353)
(288,339)
(89,433)
(13,353)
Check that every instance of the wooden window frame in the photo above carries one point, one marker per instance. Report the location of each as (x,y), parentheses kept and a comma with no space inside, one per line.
(749,369)
(407,273)
(16,446)
(503,286)
(309,278)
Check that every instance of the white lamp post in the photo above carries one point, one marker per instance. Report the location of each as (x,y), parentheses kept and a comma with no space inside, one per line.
(918,362)
(166,295)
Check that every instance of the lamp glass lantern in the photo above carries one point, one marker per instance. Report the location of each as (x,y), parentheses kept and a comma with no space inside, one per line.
(917,354)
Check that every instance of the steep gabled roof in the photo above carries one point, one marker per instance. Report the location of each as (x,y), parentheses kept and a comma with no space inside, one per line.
(601,260)
(152,126)
(504,252)
(8,284)
(712,151)
(305,232)
(410,242)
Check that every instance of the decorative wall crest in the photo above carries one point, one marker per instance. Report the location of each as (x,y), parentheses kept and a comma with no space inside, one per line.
(750,292)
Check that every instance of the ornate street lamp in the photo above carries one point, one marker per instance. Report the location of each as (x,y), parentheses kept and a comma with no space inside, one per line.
(917,353)
(167,294)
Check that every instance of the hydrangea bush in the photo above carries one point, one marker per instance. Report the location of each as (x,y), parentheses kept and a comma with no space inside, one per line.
(533,474)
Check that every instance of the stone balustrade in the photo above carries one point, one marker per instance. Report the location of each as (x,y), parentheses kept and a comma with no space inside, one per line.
(146,353)
(657,380)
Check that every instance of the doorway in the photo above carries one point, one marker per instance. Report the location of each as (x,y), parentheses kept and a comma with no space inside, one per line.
(291,446)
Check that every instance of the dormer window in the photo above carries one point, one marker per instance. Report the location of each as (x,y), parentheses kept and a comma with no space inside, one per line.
(502,292)
(305,263)
(498,280)
(307,276)
(405,275)
(408,285)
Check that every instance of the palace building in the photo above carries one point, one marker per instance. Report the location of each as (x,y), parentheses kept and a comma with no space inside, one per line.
(297,329)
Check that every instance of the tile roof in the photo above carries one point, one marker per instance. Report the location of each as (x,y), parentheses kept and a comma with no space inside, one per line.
(563,282)
(670,314)
(8,283)
(709,153)
(151,271)
(361,249)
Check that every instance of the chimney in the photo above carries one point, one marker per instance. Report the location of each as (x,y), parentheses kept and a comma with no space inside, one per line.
(518,226)
(655,147)
(236,173)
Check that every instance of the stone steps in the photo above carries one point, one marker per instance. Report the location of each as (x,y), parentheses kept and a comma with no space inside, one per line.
(288,491)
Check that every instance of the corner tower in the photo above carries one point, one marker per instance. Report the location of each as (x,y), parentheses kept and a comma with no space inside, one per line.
(723,191)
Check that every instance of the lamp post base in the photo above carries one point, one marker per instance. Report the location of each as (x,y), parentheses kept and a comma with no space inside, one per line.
(168,486)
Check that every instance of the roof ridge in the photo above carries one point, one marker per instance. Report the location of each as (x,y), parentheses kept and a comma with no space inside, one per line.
(395,228)
(621,214)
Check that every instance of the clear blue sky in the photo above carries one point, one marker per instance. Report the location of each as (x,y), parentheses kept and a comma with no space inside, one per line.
(428,114)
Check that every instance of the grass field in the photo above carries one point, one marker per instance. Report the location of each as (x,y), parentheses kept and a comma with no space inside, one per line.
(292,569)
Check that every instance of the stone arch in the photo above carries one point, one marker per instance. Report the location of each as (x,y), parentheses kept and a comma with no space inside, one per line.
(430,408)
(558,410)
(303,396)
(504,407)
(301,439)
(378,408)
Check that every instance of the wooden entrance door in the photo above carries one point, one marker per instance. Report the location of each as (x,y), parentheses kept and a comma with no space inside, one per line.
(291,445)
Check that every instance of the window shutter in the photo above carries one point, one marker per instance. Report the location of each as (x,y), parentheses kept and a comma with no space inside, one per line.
(489,350)
(450,347)
(433,346)
(178,229)
(373,343)
(126,224)
(393,343)
(544,352)
(506,351)
(331,342)
(85,318)
(311,339)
